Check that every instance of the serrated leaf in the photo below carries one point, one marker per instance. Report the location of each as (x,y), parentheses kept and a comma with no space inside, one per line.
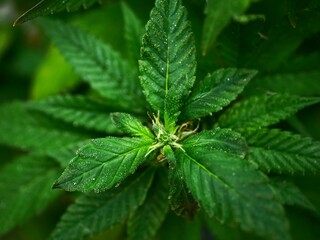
(45,7)
(25,189)
(224,140)
(79,111)
(219,14)
(20,128)
(147,219)
(216,91)
(180,199)
(262,111)
(283,152)
(231,190)
(103,163)
(290,194)
(167,65)
(133,32)
(91,214)
(129,124)
(97,63)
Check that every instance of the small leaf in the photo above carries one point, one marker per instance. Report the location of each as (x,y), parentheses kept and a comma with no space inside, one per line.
(129,124)
(25,189)
(94,213)
(97,63)
(283,152)
(219,14)
(45,7)
(147,219)
(133,32)
(79,111)
(216,91)
(229,189)
(167,65)
(103,163)
(262,111)
(180,199)
(290,194)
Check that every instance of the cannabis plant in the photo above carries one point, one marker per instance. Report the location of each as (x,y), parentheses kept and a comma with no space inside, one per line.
(165,140)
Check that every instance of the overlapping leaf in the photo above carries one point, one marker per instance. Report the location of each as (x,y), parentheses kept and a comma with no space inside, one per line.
(45,7)
(283,152)
(180,199)
(167,63)
(216,91)
(97,63)
(103,164)
(228,188)
(79,111)
(144,223)
(20,128)
(219,14)
(91,214)
(25,189)
(129,124)
(262,111)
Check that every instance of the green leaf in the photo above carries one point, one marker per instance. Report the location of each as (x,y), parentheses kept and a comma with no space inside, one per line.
(79,111)
(229,189)
(25,189)
(283,152)
(45,7)
(167,64)
(97,63)
(22,129)
(290,194)
(300,82)
(147,219)
(129,124)
(133,32)
(224,140)
(91,214)
(180,199)
(103,163)
(219,14)
(262,111)
(216,91)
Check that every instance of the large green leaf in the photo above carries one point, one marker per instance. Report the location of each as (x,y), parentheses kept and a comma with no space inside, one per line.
(167,63)
(219,13)
(262,111)
(79,111)
(229,189)
(103,163)
(97,63)
(131,125)
(22,129)
(45,7)
(91,214)
(147,219)
(25,189)
(216,91)
(283,152)
(133,32)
